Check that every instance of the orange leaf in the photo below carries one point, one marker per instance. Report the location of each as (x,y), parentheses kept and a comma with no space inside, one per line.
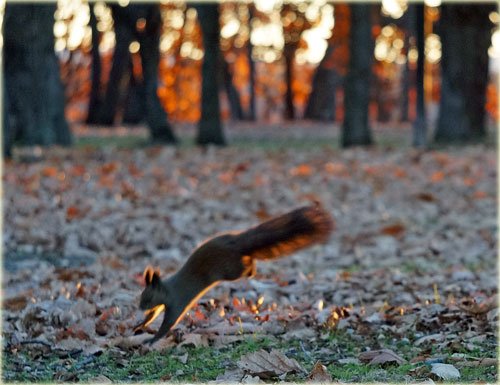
(479,194)
(50,172)
(438,176)
(72,212)
(394,230)
(110,167)
(77,170)
(400,173)
(199,315)
(226,177)
(301,170)
(336,169)
(468,181)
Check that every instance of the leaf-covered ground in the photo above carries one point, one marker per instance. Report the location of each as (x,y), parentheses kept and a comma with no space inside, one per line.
(407,282)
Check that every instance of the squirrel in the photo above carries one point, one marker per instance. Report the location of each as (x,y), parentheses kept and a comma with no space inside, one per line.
(228,257)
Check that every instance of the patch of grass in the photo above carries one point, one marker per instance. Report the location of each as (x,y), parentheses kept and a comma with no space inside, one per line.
(277,144)
(125,141)
(206,363)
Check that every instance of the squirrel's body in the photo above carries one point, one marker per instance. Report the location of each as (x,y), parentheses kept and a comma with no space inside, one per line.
(228,257)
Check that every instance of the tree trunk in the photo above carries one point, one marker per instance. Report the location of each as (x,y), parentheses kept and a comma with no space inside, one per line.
(32,76)
(289,54)
(156,116)
(135,110)
(252,115)
(420,123)
(232,93)
(465,37)
(405,81)
(355,130)
(121,58)
(7,131)
(210,126)
(321,102)
(94,107)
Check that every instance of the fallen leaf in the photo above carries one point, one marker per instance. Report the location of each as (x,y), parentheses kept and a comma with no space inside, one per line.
(100,379)
(426,197)
(445,371)
(268,365)
(395,230)
(348,360)
(230,376)
(195,340)
(72,212)
(301,170)
(15,303)
(380,357)
(319,373)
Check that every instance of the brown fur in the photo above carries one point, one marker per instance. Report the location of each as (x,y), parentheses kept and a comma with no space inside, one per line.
(228,257)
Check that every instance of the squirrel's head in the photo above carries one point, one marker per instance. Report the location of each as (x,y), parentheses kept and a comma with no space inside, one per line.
(153,294)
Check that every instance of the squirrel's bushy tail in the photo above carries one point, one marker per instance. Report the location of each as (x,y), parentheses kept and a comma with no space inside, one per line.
(287,233)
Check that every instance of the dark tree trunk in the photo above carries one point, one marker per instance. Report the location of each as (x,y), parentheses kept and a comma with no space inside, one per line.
(135,110)
(232,93)
(125,19)
(94,107)
(124,33)
(420,123)
(210,126)
(355,130)
(252,115)
(405,81)
(321,102)
(465,37)
(7,131)
(289,54)
(32,76)
(156,116)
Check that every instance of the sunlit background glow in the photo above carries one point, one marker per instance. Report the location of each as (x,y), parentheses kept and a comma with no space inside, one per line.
(263,28)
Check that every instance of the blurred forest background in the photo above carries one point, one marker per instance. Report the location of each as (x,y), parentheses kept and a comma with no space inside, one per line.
(266,61)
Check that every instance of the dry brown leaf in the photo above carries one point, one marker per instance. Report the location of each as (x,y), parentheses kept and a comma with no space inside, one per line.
(230,376)
(100,379)
(395,230)
(268,365)
(195,340)
(380,357)
(473,307)
(15,303)
(319,373)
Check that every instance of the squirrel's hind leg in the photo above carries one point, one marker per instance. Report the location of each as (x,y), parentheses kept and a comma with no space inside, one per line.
(250,267)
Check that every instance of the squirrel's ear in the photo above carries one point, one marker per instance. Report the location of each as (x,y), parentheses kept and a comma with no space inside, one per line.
(155,279)
(148,275)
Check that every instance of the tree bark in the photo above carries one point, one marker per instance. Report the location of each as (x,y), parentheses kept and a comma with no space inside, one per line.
(32,76)
(156,116)
(125,23)
(289,54)
(210,127)
(7,131)
(420,123)
(465,37)
(135,110)
(124,33)
(95,102)
(355,130)
(252,114)
(232,93)
(321,102)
